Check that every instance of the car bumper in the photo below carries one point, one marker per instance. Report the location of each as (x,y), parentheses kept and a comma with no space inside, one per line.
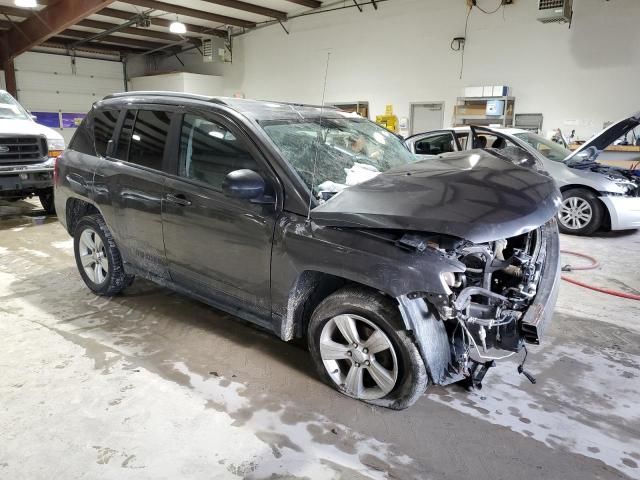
(538,316)
(25,179)
(623,211)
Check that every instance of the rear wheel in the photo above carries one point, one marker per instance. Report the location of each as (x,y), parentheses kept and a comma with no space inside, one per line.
(359,349)
(46,199)
(581,212)
(98,258)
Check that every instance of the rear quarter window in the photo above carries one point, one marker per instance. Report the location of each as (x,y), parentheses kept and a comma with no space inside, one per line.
(81,140)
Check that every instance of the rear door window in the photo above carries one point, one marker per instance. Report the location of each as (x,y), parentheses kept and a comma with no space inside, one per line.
(143,137)
(122,151)
(104,123)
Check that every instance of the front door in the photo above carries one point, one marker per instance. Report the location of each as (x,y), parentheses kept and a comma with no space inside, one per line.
(216,245)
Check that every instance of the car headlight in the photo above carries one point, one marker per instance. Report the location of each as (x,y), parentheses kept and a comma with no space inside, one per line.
(56,147)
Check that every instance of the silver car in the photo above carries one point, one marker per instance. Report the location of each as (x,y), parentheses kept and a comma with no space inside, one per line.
(594,195)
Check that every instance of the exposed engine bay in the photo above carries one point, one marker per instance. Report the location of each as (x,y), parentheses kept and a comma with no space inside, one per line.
(483,314)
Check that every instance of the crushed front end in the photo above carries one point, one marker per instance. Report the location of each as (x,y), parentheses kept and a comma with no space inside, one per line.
(502,298)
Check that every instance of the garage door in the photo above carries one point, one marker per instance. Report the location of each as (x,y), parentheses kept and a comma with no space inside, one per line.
(60,84)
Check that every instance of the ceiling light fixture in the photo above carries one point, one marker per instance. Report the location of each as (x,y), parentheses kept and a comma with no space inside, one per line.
(178,27)
(26,3)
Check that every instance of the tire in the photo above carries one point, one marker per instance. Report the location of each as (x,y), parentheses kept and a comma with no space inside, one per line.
(398,366)
(581,212)
(102,271)
(46,199)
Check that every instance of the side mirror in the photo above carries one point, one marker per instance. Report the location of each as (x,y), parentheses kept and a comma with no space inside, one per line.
(244,183)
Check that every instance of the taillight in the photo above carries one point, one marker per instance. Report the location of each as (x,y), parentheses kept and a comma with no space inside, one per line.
(55,170)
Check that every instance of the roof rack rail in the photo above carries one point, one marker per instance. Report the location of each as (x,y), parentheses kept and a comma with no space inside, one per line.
(160,93)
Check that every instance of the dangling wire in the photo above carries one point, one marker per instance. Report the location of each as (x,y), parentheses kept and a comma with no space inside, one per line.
(464,44)
(315,162)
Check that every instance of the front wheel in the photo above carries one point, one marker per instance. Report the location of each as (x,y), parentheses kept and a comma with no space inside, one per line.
(98,258)
(359,348)
(581,212)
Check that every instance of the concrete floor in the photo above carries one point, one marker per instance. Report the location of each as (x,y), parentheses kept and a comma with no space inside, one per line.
(151,384)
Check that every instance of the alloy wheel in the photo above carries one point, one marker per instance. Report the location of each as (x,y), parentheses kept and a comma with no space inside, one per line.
(93,256)
(575,213)
(359,357)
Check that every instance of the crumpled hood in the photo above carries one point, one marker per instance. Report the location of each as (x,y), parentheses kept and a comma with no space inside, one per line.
(27,127)
(472,195)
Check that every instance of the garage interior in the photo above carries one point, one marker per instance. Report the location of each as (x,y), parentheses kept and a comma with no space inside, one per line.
(152,383)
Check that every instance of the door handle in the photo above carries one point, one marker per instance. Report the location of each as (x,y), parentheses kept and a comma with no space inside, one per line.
(178,199)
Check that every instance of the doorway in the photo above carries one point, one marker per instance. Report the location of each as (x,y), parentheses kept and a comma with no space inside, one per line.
(426,117)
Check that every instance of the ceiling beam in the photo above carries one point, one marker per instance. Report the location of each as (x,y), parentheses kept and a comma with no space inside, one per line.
(127,42)
(307,3)
(250,8)
(63,43)
(192,12)
(46,23)
(142,32)
(161,22)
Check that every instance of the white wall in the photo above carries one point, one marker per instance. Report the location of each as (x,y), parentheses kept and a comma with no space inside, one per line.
(180,82)
(401,54)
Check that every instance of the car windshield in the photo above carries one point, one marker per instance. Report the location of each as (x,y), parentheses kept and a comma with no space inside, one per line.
(331,154)
(549,149)
(10,109)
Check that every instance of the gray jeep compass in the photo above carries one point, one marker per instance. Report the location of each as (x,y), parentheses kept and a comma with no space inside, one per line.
(318,224)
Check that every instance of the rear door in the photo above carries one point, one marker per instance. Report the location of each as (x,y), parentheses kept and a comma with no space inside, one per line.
(132,181)
(217,245)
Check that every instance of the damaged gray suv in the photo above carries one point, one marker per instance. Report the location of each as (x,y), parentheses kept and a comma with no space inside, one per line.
(317,224)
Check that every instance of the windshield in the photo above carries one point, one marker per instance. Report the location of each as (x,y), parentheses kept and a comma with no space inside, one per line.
(349,150)
(549,149)
(10,109)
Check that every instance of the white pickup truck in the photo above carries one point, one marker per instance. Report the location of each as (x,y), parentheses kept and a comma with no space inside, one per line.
(27,154)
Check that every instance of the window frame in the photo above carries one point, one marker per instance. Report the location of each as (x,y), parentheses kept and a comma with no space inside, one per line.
(271,178)
(427,136)
(171,111)
(92,129)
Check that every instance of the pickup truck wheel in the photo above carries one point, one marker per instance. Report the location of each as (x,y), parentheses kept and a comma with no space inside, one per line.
(355,342)
(98,258)
(46,199)
(581,212)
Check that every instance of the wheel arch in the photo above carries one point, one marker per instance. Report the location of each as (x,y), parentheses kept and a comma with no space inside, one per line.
(310,288)
(606,221)
(75,209)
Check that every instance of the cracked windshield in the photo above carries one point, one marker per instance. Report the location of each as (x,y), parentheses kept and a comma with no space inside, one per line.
(349,151)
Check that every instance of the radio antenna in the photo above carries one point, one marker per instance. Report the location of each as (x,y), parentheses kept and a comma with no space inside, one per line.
(315,161)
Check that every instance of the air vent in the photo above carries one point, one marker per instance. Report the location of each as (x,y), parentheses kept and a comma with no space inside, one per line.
(207,50)
(555,11)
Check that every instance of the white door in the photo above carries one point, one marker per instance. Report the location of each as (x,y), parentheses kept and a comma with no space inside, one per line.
(426,117)
(58,83)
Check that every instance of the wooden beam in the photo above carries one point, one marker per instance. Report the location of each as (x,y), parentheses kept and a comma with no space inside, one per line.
(250,8)
(307,3)
(143,32)
(46,23)
(161,22)
(125,41)
(10,78)
(192,12)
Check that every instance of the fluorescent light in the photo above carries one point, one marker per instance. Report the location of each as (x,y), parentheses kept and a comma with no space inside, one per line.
(177,27)
(26,3)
